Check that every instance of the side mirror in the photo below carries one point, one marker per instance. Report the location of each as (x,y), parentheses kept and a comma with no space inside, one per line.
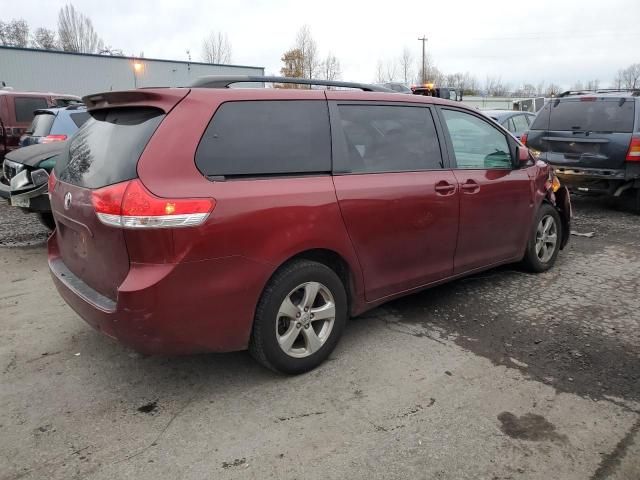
(523,157)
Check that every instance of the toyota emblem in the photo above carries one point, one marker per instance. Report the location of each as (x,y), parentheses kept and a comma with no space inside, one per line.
(67,201)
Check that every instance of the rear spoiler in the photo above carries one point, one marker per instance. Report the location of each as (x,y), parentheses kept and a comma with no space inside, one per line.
(43,110)
(163,98)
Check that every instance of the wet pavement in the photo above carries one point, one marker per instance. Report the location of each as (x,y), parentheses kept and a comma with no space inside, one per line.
(503,375)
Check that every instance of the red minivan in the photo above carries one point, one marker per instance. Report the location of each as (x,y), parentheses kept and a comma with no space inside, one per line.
(210,219)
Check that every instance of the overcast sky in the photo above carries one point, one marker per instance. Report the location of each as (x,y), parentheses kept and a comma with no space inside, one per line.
(556,41)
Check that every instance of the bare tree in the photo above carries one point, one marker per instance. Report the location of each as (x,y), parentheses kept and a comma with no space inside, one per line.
(432,73)
(593,85)
(495,88)
(529,90)
(45,39)
(309,51)
(526,90)
(406,62)
(76,32)
(330,68)
(216,48)
(379,78)
(469,84)
(466,83)
(631,76)
(386,71)
(14,33)
(390,70)
(618,81)
(552,90)
(577,86)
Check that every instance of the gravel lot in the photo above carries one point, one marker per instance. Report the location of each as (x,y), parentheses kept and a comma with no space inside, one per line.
(503,375)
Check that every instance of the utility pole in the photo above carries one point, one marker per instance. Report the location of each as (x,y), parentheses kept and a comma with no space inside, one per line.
(423,39)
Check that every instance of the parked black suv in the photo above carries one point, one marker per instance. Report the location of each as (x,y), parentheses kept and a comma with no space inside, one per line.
(592,138)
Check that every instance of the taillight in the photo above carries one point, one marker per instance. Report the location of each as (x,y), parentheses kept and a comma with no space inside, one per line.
(131,205)
(523,139)
(53,138)
(52,182)
(633,154)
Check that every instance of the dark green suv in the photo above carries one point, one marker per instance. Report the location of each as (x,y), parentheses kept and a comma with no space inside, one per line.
(25,173)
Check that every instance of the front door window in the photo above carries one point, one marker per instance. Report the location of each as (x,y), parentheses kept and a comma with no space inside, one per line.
(476,144)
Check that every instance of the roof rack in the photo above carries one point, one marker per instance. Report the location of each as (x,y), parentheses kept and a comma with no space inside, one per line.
(634,91)
(224,81)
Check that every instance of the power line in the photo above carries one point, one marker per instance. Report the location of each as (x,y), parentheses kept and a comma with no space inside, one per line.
(556,35)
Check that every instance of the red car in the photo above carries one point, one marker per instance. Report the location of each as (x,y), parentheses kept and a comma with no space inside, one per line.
(211,219)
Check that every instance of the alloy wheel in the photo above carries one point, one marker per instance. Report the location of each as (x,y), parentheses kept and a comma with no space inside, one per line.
(546,238)
(305,319)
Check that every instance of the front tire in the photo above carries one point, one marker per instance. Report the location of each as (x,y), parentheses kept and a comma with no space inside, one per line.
(544,242)
(300,318)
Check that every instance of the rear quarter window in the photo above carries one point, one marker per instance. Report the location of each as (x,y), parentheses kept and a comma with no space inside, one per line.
(79,118)
(25,106)
(254,138)
(106,149)
(583,114)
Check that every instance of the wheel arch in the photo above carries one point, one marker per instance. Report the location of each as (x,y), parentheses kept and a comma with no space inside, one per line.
(561,201)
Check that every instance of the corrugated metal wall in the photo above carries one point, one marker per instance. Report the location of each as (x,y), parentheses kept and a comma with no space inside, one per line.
(44,71)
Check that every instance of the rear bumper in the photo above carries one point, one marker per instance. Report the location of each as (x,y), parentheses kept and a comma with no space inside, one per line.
(576,174)
(38,202)
(171,309)
(35,196)
(599,181)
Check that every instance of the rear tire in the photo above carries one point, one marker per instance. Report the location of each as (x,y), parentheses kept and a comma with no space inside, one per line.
(544,242)
(46,218)
(630,200)
(300,318)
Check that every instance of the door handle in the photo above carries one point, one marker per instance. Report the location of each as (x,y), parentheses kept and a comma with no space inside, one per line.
(444,188)
(470,187)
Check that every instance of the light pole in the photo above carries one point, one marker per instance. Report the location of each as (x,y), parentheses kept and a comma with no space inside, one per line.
(423,39)
(137,67)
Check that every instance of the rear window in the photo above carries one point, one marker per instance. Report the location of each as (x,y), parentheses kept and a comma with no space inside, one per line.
(266,138)
(106,149)
(25,106)
(599,115)
(41,125)
(79,118)
(520,123)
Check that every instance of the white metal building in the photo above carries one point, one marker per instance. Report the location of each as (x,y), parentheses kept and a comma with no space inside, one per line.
(29,69)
